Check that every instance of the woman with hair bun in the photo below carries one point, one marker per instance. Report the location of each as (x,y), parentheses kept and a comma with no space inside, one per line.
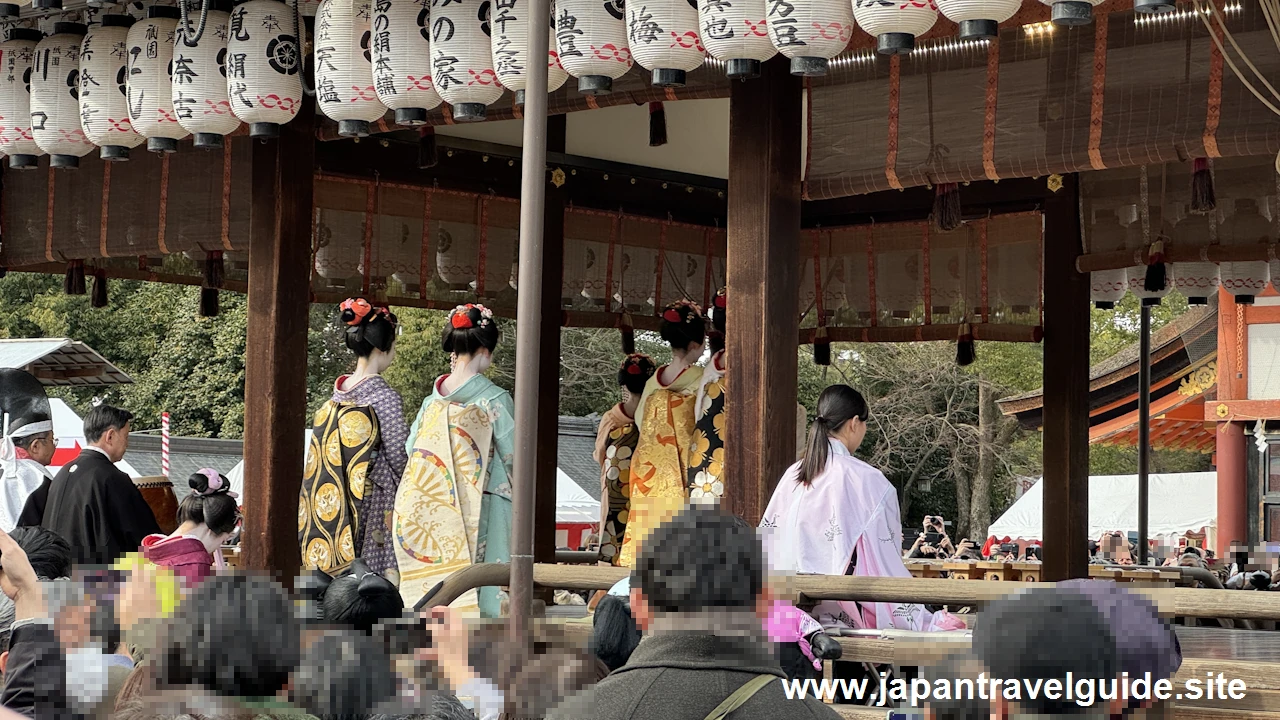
(666,416)
(356,454)
(454,503)
(615,444)
(206,518)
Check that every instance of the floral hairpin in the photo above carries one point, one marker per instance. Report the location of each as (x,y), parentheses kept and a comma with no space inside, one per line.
(460,317)
(721,298)
(635,363)
(672,313)
(359,307)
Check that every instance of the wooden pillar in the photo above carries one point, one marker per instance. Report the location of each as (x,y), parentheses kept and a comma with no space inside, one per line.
(1066,390)
(275,389)
(544,523)
(1232,446)
(764,259)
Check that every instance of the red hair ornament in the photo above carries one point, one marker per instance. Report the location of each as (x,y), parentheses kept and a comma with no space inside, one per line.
(460,320)
(359,307)
(671,315)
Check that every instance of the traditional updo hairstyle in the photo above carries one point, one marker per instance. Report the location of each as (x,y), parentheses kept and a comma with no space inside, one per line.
(210,503)
(470,327)
(635,372)
(715,338)
(683,325)
(360,599)
(367,328)
(837,405)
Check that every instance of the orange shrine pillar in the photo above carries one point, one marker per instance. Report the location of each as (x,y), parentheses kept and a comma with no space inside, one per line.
(1231,446)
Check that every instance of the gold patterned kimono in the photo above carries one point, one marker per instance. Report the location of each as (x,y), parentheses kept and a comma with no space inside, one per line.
(343,439)
(706,469)
(615,445)
(660,466)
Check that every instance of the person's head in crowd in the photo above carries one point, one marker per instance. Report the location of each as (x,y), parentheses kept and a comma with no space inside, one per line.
(360,599)
(234,635)
(443,707)
(370,332)
(210,512)
(38,446)
(1116,549)
(1044,634)
(684,329)
(614,635)
(842,416)
(1192,560)
(107,428)
(470,337)
(50,557)
(715,338)
(343,674)
(959,704)
(634,373)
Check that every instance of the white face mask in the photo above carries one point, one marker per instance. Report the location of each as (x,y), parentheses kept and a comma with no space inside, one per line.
(86,677)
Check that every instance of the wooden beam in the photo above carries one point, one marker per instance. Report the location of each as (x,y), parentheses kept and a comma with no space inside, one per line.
(544,523)
(1066,390)
(764,285)
(276,349)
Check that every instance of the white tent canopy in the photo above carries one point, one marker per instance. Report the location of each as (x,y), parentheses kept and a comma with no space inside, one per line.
(1179,503)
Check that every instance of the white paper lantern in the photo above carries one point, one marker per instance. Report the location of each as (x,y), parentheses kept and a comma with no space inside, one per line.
(199,91)
(511,48)
(591,36)
(978,19)
(402,59)
(895,24)
(344,66)
(1072,12)
(499,248)
(638,267)
(573,274)
(339,246)
(461,57)
(263,64)
(810,32)
(55,97)
(456,254)
(1197,281)
(104,99)
(736,33)
(1107,287)
(17,54)
(684,275)
(150,89)
(1137,274)
(663,35)
(1246,226)
(597,283)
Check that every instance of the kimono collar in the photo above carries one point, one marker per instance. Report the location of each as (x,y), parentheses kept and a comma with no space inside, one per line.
(838,448)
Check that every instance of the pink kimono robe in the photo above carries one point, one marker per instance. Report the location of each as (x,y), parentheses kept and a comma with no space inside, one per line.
(815,530)
(186,556)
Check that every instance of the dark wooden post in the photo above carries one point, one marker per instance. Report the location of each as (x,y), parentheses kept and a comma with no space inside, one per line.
(764,284)
(1066,390)
(275,389)
(544,523)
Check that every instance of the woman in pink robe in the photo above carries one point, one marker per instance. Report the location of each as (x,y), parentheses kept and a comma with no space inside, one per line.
(832,511)
(206,518)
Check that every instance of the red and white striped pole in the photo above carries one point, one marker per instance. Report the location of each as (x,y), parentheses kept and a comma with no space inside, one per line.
(164,444)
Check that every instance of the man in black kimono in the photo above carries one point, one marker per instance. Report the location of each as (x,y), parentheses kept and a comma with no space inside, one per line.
(93,505)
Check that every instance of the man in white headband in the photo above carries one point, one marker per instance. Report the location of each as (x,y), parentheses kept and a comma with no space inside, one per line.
(26,442)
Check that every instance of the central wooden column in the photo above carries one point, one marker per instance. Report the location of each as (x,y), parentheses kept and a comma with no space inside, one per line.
(275,388)
(1066,390)
(764,260)
(544,522)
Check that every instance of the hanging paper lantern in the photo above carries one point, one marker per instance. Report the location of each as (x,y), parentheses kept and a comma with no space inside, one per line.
(461,59)
(500,246)
(16,56)
(264,61)
(895,24)
(1246,226)
(638,267)
(150,91)
(1197,281)
(978,19)
(1137,275)
(1106,287)
(1072,12)
(511,49)
(592,39)
(736,33)
(810,32)
(663,35)
(104,99)
(199,90)
(344,66)
(55,96)
(456,254)
(402,59)
(684,276)
(339,246)
(573,274)
(597,284)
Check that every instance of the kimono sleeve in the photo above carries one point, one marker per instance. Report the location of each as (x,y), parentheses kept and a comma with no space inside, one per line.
(129,512)
(503,412)
(395,436)
(413,429)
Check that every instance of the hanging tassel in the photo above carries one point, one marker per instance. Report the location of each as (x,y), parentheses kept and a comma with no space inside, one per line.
(99,297)
(1154,281)
(657,124)
(73,281)
(428,154)
(966,351)
(208,302)
(946,206)
(214,269)
(821,348)
(628,335)
(1203,197)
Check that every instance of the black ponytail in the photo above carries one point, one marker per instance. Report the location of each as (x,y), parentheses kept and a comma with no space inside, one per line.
(837,405)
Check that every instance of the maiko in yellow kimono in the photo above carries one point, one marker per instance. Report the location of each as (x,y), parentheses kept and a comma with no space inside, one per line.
(667,416)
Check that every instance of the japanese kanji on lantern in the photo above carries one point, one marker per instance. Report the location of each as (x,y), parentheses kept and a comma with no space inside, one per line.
(591,36)
(402,59)
(736,32)
(104,98)
(461,57)
(663,35)
(150,93)
(895,23)
(344,66)
(17,53)
(511,48)
(978,19)
(199,89)
(1072,12)
(810,32)
(264,63)
(55,96)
